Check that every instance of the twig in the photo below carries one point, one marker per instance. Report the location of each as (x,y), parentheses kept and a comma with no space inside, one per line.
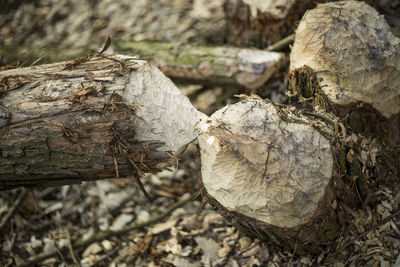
(12,210)
(137,178)
(105,235)
(281,44)
(108,255)
(58,251)
(293,253)
(382,222)
(319,116)
(116,167)
(71,250)
(12,243)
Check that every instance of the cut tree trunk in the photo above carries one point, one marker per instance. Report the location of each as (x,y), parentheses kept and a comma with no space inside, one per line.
(93,118)
(346,60)
(285,174)
(249,68)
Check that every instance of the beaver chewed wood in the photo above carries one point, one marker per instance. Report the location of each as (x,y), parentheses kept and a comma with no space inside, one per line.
(346,58)
(271,171)
(255,163)
(92,118)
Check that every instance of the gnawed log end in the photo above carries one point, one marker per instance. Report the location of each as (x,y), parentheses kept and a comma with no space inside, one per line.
(347,60)
(271,172)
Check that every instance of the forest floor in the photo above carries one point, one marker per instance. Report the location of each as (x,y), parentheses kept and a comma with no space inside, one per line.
(110,222)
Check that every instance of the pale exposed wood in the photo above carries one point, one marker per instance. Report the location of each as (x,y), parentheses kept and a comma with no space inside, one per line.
(255,163)
(285,174)
(353,53)
(272,172)
(249,68)
(275,9)
(88,119)
(346,58)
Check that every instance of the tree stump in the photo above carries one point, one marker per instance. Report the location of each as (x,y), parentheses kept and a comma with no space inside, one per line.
(346,59)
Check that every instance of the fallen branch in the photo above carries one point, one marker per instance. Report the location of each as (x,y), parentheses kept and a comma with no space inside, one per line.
(11,211)
(106,235)
(71,250)
(281,44)
(209,65)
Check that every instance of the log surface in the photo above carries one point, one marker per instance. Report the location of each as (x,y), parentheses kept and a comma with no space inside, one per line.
(255,163)
(249,68)
(346,60)
(92,118)
(354,54)
(272,172)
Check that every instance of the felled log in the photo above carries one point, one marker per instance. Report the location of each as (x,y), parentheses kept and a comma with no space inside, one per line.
(280,174)
(346,60)
(261,23)
(249,68)
(93,118)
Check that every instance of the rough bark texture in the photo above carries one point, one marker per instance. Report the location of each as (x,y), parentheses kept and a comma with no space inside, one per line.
(92,118)
(348,61)
(249,68)
(282,175)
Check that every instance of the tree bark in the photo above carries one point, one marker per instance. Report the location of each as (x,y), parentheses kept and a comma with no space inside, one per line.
(249,68)
(93,118)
